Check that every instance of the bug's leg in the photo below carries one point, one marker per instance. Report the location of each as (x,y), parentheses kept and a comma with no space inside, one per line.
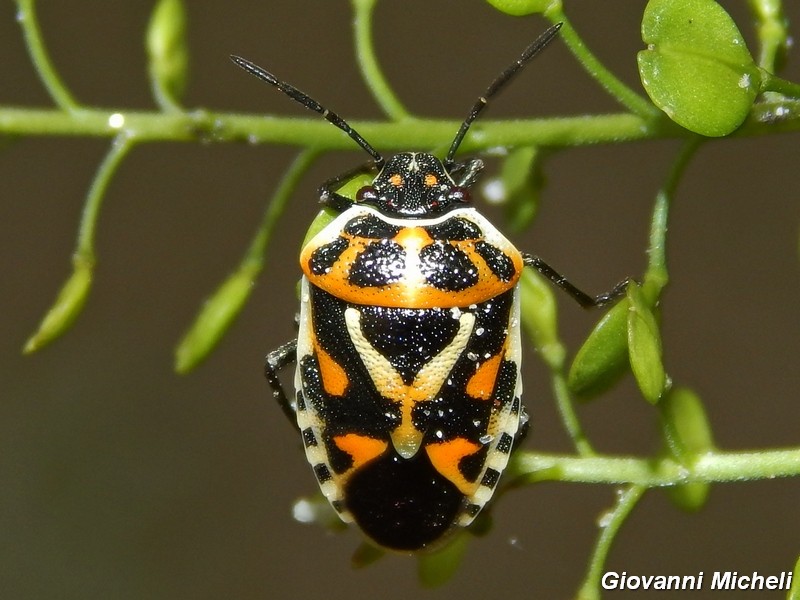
(522,432)
(277,360)
(582,298)
(471,170)
(327,193)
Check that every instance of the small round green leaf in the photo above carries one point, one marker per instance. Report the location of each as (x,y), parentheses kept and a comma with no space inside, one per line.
(322,220)
(644,347)
(365,555)
(603,358)
(519,8)
(438,567)
(697,68)
(689,497)
(686,426)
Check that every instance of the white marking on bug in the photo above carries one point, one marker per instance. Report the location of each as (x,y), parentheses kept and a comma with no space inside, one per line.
(406,438)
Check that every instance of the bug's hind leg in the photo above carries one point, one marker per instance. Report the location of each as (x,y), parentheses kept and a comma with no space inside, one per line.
(581,297)
(277,360)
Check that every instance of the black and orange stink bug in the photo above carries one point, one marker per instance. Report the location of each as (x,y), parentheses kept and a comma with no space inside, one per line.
(408,351)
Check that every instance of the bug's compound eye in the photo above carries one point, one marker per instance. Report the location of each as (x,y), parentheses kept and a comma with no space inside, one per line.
(459,194)
(366,194)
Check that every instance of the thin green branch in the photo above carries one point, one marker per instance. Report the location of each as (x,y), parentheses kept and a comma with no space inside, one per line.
(656,275)
(228,300)
(773,83)
(610,524)
(256,253)
(713,467)
(772,28)
(566,408)
(634,102)
(769,117)
(26,16)
(120,147)
(74,292)
(368,62)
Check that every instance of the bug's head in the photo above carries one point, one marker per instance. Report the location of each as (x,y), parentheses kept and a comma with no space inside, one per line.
(413,184)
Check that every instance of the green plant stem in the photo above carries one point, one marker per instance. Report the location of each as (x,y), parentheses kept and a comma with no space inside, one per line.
(566,408)
(715,466)
(773,32)
(200,125)
(255,256)
(26,16)
(773,83)
(611,523)
(368,63)
(656,275)
(635,103)
(120,147)
(227,301)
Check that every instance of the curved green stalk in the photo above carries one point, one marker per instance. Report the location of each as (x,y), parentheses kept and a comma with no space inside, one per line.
(26,16)
(656,276)
(634,102)
(566,408)
(219,311)
(74,292)
(368,63)
(610,525)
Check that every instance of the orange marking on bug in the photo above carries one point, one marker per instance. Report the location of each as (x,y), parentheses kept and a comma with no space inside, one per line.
(481,384)
(412,290)
(334,377)
(446,457)
(413,239)
(431,180)
(396,180)
(361,448)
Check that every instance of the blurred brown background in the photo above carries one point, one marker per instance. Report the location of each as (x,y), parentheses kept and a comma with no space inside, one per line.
(123,480)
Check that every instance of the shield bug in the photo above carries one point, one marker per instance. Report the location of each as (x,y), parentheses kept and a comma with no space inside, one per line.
(408,390)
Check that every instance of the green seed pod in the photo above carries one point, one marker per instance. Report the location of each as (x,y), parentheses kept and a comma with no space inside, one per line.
(167,51)
(644,347)
(688,436)
(603,358)
(214,319)
(65,309)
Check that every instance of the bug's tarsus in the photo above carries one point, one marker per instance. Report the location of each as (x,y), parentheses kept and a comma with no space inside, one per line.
(581,297)
(277,360)
(466,174)
(311,104)
(498,84)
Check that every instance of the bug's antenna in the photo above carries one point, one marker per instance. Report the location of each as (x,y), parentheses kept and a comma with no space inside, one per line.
(310,104)
(497,85)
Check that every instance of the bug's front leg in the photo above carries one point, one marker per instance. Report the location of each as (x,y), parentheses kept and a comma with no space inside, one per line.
(327,191)
(581,297)
(277,360)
